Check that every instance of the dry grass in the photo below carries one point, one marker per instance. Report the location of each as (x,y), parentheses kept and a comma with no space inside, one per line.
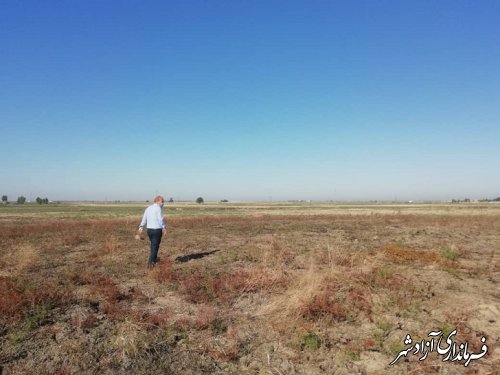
(273,293)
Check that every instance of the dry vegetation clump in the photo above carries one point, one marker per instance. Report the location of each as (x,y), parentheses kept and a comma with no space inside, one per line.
(329,301)
(164,272)
(401,255)
(13,299)
(20,298)
(221,287)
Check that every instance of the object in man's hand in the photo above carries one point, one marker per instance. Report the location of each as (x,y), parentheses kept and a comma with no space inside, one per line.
(137,237)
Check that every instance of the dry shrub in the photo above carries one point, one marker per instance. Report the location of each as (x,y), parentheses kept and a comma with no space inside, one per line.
(404,255)
(197,289)
(164,271)
(345,260)
(274,251)
(335,255)
(82,278)
(338,300)
(204,288)
(324,304)
(106,287)
(50,293)
(12,231)
(129,340)
(287,304)
(236,281)
(13,300)
(18,302)
(230,285)
(281,253)
(263,278)
(159,318)
(396,281)
(320,294)
(111,309)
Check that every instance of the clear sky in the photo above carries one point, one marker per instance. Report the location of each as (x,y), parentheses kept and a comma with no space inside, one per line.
(250,100)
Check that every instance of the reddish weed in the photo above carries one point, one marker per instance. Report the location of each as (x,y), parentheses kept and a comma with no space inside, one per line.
(19,302)
(13,300)
(403,255)
(205,317)
(325,303)
(82,278)
(159,318)
(222,286)
(369,343)
(338,300)
(197,290)
(164,272)
(106,287)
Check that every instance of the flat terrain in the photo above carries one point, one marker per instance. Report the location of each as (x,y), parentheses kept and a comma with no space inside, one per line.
(244,288)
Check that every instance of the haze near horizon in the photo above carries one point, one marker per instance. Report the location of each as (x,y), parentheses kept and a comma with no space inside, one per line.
(331,100)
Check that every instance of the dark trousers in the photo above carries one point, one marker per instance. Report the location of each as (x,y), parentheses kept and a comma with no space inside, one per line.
(155,238)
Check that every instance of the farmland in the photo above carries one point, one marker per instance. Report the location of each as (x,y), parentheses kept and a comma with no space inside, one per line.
(247,288)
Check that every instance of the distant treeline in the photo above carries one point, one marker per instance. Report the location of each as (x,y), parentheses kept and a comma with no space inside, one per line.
(467,200)
(497,199)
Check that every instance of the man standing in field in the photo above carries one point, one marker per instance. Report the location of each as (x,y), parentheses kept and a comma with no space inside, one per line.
(156,227)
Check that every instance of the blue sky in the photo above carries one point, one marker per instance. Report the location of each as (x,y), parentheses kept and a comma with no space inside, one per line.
(250,100)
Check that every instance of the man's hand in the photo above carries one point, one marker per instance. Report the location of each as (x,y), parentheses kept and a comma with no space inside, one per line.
(138,234)
(164,231)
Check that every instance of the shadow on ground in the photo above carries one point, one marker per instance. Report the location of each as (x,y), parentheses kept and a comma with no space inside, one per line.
(187,258)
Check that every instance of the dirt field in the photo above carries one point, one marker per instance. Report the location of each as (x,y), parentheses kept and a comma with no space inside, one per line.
(248,289)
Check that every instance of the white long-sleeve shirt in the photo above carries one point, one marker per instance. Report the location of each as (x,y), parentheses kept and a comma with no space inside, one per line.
(153,218)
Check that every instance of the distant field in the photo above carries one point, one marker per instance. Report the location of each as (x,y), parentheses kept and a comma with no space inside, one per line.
(97,210)
(247,288)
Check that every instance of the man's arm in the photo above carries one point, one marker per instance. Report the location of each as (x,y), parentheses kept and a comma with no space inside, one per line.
(160,218)
(143,221)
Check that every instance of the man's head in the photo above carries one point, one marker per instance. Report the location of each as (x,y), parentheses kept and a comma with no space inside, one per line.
(159,200)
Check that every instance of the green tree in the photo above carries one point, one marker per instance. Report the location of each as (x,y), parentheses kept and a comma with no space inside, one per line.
(45,200)
(199,200)
(5,199)
(39,200)
(21,200)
